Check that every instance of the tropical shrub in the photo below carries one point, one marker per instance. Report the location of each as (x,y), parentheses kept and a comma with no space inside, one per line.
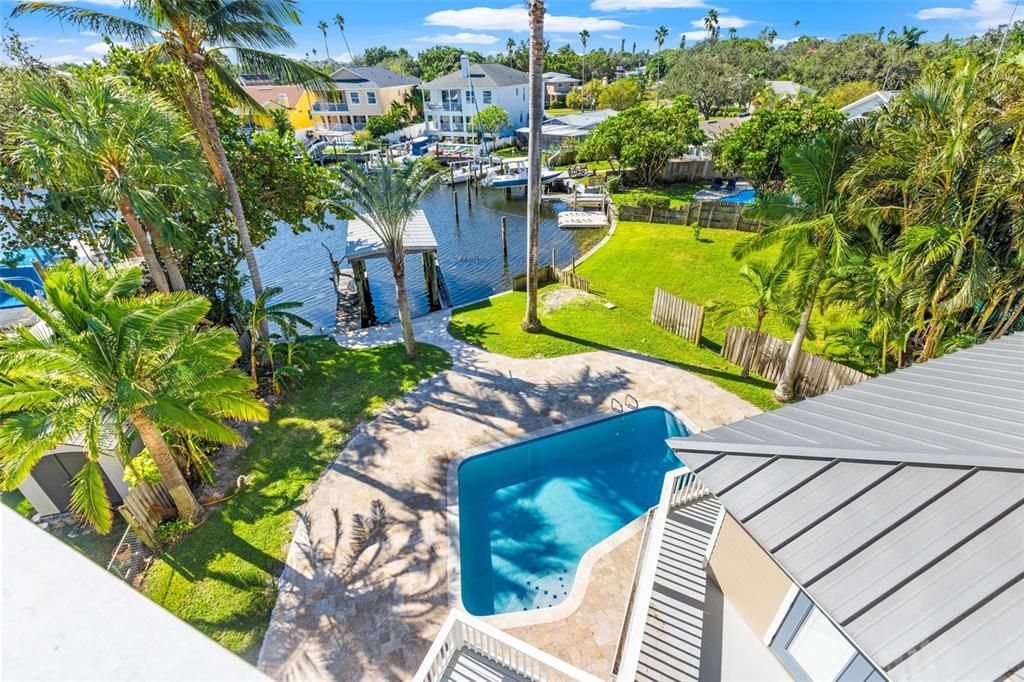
(651,200)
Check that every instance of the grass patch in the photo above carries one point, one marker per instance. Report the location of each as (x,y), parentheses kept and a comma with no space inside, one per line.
(592,166)
(678,193)
(560,111)
(221,578)
(640,257)
(509,153)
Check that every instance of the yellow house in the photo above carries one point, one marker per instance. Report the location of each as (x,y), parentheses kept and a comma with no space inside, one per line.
(362,92)
(294,99)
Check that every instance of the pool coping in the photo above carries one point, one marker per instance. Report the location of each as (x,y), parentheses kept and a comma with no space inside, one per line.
(586,563)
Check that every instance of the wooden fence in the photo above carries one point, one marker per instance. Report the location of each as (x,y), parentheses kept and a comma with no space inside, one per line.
(145,507)
(815,374)
(710,214)
(678,316)
(546,274)
(688,170)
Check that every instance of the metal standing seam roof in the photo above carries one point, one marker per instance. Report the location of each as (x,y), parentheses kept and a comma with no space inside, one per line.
(491,75)
(898,505)
(362,242)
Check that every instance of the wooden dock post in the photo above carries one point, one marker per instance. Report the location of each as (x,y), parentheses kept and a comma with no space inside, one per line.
(553,259)
(430,277)
(363,289)
(504,237)
(469,193)
(508,194)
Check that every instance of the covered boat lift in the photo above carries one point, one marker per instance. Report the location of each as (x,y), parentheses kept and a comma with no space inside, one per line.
(363,244)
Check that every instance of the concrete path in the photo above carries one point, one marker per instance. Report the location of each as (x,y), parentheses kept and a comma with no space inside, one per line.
(373,615)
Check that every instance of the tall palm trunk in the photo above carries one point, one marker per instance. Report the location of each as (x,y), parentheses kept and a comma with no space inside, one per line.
(748,360)
(169,259)
(185,502)
(402,296)
(156,270)
(230,186)
(531,323)
(784,389)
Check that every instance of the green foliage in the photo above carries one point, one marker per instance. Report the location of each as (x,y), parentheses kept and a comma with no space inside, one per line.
(220,577)
(755,148)
(563,60)
(585,96)
(170,532)
(492,120)
(847,93)
(438,60)
(650,200)
(379,126)
(710,81)
(125,358)
(622,94)
(141,469)
(645,139)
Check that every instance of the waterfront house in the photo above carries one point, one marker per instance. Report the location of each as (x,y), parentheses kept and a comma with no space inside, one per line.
(872,533)
(557,86)
(451,101)
(295,100)
(865,105)
(789,89)
(558,129)
(361,92)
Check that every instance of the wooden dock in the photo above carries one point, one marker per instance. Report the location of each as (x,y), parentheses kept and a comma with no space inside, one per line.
(582,219)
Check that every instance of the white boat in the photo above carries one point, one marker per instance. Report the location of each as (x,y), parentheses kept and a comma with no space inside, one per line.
(516,175)
(457,175)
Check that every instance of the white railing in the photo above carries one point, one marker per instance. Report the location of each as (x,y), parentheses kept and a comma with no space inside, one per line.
(463,632)
(681,487)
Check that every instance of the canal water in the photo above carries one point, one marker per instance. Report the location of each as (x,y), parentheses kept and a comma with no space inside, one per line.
(469,254)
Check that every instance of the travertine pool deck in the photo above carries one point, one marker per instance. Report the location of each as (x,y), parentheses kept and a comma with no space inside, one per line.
(373,618)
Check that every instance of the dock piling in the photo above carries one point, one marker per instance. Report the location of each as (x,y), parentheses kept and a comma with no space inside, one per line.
(504,237)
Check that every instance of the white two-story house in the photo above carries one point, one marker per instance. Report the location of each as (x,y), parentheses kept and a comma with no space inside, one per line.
(362,93)
(451,101)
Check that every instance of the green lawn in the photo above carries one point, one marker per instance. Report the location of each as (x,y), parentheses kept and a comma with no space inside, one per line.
(639,257)
(222,577)
(593,166)
(509,153)
(679,193)
(560,111)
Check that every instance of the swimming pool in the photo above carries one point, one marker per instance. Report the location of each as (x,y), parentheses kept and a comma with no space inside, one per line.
(744,197)
(528,512)
(16,269)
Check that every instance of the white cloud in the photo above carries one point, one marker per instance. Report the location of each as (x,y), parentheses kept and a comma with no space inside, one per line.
(100,48)
(66,59)
(91,34)
(612,5)
(515,19)
(724,22)
(694,36)
(31,39)
(982,14)
(64,41)
(461,38)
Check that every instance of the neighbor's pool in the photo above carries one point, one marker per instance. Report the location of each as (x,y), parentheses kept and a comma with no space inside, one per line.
(528,512)
(744,197)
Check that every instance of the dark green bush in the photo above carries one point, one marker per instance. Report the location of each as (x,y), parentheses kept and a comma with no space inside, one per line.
(651,200)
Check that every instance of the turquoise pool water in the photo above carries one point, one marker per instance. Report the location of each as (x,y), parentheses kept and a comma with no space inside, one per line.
(16,268)
(743,197)
(528,512)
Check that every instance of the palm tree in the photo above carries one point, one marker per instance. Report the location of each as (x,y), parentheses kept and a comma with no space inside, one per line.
(339,21)
(732,32)
(796,24)
(944,168)
(322,25)
(769,295)
(510,46)
(254,316)
(123,147)
(682,41)
(385,199)
(584,37)
(814,228)
(117,363)
(659,37)
(197,35)
(711,23)
(771,35)
(531,322)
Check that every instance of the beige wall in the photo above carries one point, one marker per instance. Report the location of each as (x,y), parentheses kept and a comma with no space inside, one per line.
(750,579)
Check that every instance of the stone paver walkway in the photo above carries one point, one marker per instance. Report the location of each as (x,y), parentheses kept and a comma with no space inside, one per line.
(375,616)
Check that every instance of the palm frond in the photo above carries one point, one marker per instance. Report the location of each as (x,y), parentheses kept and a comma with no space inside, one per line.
(90,20)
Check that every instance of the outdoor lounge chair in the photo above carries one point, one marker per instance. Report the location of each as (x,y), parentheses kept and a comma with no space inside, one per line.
(716,183)
(731,185)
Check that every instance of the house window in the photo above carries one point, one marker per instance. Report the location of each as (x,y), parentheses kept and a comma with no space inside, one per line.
(487,96)
(371,97)
(426,95)
(470,96)
(353,97)
(517,92)
(814,650)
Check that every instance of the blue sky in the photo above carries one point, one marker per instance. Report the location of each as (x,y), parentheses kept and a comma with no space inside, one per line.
(485,25)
